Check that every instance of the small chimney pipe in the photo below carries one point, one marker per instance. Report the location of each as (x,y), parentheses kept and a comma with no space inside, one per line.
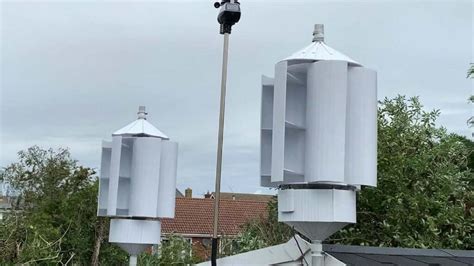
(142,112)
(318,33)
(188,193)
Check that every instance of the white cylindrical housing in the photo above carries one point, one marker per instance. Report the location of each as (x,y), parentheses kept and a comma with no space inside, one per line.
(317,213)
(326,121)
(361,127)
(167,192)
(317,205)
(134,236)
(114,164)
(144,182)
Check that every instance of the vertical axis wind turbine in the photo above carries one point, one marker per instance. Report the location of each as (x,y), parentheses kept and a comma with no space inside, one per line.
(137,184)
(319,139)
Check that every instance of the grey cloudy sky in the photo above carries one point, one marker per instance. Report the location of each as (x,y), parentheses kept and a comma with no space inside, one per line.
(73,72)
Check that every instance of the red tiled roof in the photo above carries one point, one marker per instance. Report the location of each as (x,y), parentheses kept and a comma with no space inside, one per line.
(194,216)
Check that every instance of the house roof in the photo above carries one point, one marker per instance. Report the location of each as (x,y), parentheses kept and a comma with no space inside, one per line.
(179,194)
(193,216)
(245,196)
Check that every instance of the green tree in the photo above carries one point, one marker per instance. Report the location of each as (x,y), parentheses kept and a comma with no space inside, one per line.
(54,219)
(271,232)
(424,197)
(259,233)
(175,250)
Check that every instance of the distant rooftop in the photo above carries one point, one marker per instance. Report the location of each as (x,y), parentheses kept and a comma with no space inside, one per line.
(193,216)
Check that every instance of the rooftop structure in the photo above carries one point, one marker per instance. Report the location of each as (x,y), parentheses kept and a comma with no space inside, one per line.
(289,254)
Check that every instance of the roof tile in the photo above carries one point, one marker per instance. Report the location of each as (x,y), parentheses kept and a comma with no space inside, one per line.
(194,216)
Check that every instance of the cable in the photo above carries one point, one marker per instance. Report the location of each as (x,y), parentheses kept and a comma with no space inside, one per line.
(298,244)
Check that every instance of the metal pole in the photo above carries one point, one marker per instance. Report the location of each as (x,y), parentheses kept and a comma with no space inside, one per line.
(220,142)
(317,256)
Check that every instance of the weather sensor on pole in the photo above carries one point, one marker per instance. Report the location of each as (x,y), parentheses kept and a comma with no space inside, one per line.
(229,14)
(319,139)
(137,184)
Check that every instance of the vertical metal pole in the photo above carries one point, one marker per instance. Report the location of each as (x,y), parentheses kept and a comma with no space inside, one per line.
(220,142)
(317,256)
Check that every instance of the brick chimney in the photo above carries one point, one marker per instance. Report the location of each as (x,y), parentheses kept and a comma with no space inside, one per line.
(188,193)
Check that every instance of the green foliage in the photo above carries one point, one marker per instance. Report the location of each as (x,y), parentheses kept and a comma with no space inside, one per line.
(54,218)
(263,232)
(270,230)
(175,250)
(424,184)
(247,240)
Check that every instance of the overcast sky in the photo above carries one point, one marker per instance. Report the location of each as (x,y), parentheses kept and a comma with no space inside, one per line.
(74,72)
